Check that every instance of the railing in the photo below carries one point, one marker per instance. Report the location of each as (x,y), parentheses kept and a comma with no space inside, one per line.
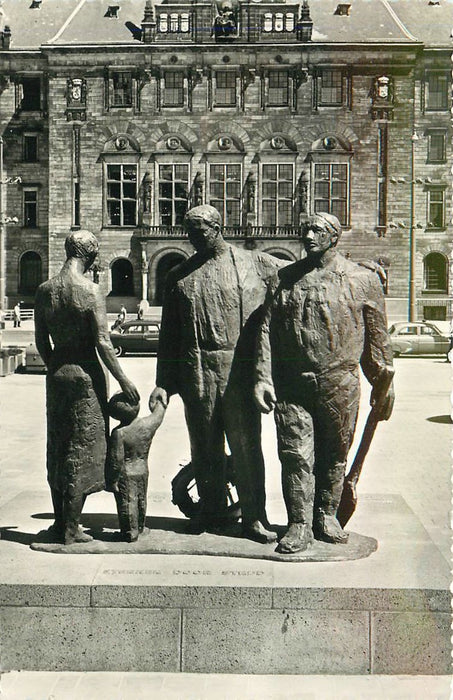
(25,315)
(228,232)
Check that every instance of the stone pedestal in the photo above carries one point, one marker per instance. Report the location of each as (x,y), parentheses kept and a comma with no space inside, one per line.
(386,614)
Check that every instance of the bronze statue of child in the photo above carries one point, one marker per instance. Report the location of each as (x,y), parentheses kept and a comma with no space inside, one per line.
(127,462)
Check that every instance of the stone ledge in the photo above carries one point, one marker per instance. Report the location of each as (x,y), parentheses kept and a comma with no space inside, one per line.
(220,640)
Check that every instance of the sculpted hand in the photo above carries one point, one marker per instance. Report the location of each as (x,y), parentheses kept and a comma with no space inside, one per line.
(158,395)
(383,402)
(264,396)
(130,391)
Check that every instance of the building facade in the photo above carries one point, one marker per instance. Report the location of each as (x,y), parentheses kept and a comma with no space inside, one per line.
(119,117)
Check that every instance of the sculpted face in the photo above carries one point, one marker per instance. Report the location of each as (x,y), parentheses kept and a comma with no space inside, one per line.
(202,234)
(318,237)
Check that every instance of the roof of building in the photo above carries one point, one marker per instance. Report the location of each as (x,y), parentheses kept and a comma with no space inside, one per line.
(87,22)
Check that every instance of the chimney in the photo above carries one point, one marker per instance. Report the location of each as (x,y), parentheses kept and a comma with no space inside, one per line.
(304,24)
(148,23)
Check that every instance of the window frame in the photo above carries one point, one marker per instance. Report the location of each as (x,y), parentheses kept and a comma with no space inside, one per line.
(107,217)
(225,164)
(20,93)
(274,72)
(430,192)
(322,72)
(280,162)
(344,161)
(30,189)
(183,88)
(430,134)
(30,135)
(427,287)
(173,163)
(234,88)
(114,75)
(427,91)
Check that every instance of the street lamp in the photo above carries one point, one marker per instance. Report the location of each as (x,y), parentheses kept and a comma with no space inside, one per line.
(412,236)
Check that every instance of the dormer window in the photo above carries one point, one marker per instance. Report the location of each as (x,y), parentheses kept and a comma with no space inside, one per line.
(343,9)
(112,11)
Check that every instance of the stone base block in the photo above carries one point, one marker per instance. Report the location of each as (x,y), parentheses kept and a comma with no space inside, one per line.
(388,613)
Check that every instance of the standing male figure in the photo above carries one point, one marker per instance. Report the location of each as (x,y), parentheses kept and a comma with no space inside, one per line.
(16,315)
(210,317)
(70,326)
(324,315)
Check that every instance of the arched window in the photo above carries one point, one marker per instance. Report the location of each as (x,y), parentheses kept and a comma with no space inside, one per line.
(185,26)
(163,23)
(435,273)
(174,22)
(165,264)
(267,24)
(122,278)
(30,272)
(278,22)
(289,21)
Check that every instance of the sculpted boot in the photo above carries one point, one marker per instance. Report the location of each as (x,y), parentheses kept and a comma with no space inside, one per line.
(298,488)
(325,524)
(297,539)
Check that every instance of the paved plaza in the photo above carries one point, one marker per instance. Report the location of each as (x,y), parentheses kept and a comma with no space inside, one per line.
(409,459)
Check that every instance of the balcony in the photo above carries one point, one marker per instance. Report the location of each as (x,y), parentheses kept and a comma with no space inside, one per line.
(235,232)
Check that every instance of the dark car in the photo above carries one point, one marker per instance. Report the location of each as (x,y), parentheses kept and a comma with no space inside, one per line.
(136,336)
(418,339)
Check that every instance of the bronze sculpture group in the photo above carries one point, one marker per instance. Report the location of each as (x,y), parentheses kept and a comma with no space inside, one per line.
(242,333)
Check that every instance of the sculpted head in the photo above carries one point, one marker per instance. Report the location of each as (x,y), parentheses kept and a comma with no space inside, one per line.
(83,245)
(120,408)
(203,225)
(320,232)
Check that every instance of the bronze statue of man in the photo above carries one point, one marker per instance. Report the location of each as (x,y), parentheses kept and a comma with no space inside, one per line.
(211,313)
(70,326)
(324,315)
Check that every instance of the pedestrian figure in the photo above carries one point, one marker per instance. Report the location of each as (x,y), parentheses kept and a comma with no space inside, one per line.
(127,462)
(324,315)
(122,314)
(16,315)
(70,312)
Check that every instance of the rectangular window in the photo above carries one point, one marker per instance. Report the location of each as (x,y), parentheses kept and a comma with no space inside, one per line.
(30,208)
(225,88)
(30,94)
(436,208)
(30,148)
(225,192)
(277,194)
(278,88)
(331,87)
(332,190)
(173,89)
(436,147)
(437,88)
(122,83)
(121,195)
(173,193)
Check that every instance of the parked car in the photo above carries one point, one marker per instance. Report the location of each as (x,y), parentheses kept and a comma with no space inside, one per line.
(136,336)
(418,339)
(33,360)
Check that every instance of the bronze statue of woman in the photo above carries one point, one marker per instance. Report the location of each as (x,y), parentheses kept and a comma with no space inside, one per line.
(70,326)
